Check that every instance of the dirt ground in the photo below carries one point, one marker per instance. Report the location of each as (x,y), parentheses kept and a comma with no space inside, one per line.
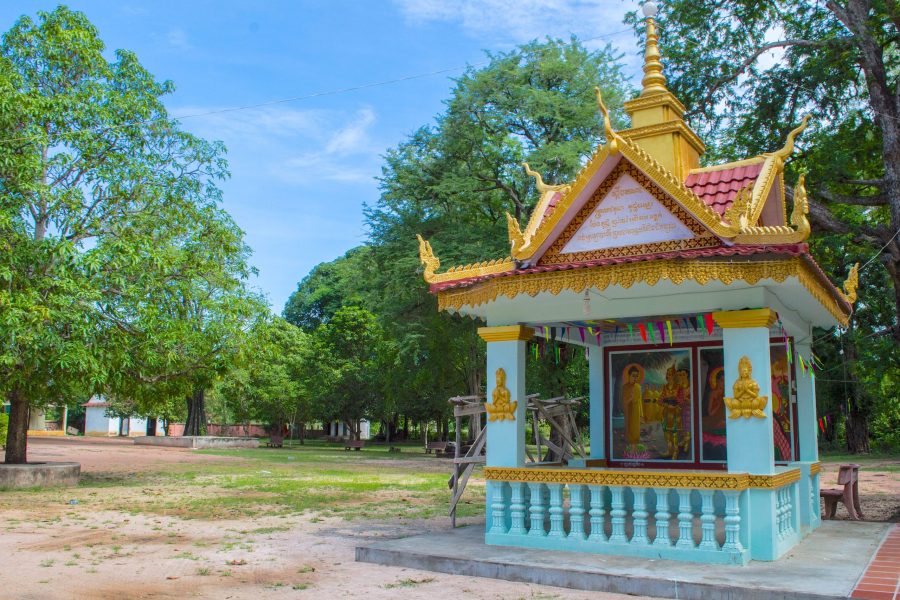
(58,550)
(55,550)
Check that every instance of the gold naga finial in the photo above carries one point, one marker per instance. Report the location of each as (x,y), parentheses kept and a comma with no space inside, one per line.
(539,182)
(517,239)
(788,149)
(607,125)
(801,207)
(654,82)
(851,284)
(428,259)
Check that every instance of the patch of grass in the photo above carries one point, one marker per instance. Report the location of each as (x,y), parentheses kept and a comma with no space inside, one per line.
(202,571)
(264,530)
(306,569)
(47,562)
(408,582)
(300,586)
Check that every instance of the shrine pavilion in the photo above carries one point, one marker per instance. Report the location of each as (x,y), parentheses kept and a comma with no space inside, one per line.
(695,297)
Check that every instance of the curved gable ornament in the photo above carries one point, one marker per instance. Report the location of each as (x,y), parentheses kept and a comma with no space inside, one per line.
(746,401)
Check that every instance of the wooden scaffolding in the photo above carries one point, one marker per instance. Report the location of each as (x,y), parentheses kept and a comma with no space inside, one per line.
(564,441)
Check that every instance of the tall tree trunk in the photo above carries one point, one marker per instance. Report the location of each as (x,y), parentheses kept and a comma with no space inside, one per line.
(859,407)
(17,435)
(196,419)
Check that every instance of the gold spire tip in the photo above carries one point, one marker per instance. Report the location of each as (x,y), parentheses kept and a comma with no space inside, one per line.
(654,82)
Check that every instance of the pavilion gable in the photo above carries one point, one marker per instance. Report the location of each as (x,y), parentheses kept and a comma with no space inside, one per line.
(627,214)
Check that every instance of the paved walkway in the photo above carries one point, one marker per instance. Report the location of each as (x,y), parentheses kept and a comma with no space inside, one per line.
(881,581)
(826,565)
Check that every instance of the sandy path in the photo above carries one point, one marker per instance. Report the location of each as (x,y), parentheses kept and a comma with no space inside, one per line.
(61,551)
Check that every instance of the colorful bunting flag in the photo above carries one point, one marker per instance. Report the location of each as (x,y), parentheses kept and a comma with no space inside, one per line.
(643,331)
(709,323)
(669,328)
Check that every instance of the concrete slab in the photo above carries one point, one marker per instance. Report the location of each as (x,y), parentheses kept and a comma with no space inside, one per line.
(826,565)
(39,474)
(197,441)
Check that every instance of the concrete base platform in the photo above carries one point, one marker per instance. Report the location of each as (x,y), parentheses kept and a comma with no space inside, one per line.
(197,441)
(827,564)
(47,474)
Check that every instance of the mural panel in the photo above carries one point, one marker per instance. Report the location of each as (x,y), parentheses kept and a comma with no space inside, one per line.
(652,405)
(713,413)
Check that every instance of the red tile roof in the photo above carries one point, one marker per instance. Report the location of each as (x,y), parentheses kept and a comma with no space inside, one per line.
(718,188)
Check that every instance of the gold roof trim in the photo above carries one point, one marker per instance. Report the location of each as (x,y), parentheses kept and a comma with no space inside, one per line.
(546,226)
(667,127)
(650,272)
(642,102)
(849,291)
(778,234)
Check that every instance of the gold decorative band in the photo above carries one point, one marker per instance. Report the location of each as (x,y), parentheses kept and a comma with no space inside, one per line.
(773,482)
(735,319)
(710,480)
(649,272)
(506,333)
(815,468)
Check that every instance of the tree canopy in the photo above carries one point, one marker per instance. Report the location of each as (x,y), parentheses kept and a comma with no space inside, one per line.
(114,241)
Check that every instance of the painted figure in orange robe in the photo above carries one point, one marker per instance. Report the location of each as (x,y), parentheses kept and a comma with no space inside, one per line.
(633,404)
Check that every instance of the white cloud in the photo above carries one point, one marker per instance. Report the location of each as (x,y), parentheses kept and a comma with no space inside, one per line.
(354,136)
(521,20)
(294,146)
(178,39)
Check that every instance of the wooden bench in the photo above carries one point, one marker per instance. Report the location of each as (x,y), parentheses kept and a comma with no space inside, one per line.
(438,447)
(355,444)
(275,441)
(848,477)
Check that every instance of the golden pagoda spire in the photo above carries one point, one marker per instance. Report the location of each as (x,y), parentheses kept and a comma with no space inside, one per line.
(654,82)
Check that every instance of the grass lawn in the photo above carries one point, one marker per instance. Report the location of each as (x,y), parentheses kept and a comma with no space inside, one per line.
(316,477)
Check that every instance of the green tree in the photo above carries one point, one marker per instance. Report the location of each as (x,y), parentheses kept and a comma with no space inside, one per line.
(748,71)
(269,383)
(109,218)
(342,367)
(454,181)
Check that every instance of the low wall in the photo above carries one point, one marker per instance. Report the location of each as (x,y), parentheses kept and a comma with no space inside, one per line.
(30,475)
(177,429)
(197,441)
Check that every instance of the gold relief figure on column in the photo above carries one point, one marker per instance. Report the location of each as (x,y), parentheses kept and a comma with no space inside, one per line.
(746,401)
(502,408)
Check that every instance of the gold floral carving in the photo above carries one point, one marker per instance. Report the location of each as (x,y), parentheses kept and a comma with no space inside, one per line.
(701,239)
(746,401)
(649,272)
(851,284)
(503,408)
(643,478)
(781,234)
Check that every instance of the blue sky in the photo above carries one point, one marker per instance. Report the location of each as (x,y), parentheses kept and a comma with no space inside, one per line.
(301,170)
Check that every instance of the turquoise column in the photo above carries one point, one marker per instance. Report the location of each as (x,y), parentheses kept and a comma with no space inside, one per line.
(808,436)
(745,335)
(506,346)
(596,411)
